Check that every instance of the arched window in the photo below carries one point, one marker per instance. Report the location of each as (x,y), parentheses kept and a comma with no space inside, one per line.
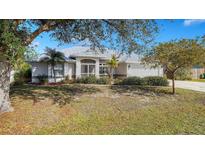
(87,61)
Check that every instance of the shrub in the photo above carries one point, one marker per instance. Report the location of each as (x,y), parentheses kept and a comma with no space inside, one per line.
(103,80)
(118,81)
(92,80)
(202,76)
(133,81)
(22,76)
(156,81)
(87,80)
(42,79)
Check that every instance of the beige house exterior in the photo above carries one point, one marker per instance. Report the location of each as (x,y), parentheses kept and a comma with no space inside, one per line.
(82,61)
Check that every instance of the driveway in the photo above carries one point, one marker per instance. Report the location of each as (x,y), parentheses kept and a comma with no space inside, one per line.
(196,86)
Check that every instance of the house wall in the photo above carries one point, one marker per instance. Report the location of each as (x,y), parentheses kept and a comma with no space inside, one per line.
(38,69)
(196,72)
(78,66)
(142,71)
(69,70)
(44,69)
(121,69)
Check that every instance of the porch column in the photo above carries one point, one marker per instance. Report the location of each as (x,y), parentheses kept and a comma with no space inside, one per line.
(78,68)
(97,68)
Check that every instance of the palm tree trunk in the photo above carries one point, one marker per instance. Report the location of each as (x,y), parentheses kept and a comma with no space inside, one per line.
(111,73)
(5,87)
(54,74)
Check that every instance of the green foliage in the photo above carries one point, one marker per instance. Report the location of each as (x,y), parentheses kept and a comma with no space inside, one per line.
(146,81)
(30,54)
(202,76)
(156,81)
(16,35)
(92,80)
(112,64)
(133,81)
(183,74)
(174,55)
(177,54)
(23,75)
(43,79)
(87,80)
(53,57)
(103,80)
(118,81)
(11,45)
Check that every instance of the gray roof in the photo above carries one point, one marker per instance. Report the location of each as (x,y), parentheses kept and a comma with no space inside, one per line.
(84,51)
(81,51)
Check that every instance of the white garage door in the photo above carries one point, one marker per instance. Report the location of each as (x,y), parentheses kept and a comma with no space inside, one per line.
(142,71)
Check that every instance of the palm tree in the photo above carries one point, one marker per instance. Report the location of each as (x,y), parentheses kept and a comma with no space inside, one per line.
(112,64)
(53,57)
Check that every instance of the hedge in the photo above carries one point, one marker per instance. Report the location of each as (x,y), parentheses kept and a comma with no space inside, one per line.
(150,81)
(156,81)
(92,80)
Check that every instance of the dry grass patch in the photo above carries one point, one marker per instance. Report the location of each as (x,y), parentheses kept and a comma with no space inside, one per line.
(103,110)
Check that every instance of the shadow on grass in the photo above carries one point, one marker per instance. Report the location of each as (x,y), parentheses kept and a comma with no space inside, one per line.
(61,95)
(141,90)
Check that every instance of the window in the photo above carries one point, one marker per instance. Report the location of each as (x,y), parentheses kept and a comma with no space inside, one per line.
(87,67)
(59,70)
(103,70)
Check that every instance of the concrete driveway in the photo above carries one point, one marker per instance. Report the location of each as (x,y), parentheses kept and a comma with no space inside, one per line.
(196,86)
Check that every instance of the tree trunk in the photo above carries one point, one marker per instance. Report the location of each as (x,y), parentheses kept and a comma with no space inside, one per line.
(173,85)
(53,74)
(111,73)
(5,87)
(54,77)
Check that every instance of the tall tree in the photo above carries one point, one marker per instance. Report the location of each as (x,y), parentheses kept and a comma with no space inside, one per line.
(53,57)
(175,55)
(16,35)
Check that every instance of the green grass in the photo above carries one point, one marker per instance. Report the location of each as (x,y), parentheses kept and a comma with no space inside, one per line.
(104,110)
(198,80)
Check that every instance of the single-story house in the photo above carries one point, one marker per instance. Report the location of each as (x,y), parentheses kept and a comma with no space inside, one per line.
(83,61)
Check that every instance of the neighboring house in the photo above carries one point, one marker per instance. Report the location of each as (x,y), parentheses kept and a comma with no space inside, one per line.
(197,71)
(82,61)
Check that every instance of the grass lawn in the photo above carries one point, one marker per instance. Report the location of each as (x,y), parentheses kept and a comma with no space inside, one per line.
(78,109)
(198,80)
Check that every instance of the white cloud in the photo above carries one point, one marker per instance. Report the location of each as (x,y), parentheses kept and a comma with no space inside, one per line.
(189,22)
(36,44)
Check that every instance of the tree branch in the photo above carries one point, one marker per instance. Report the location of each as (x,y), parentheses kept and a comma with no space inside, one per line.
(17,22)
(45,27)
(112,25)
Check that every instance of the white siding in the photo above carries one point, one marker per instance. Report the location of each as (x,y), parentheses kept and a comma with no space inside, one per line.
(78,68)
(69,70)
(121,69)
(44,69)
(39,69)
(97,69)
(142,71)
